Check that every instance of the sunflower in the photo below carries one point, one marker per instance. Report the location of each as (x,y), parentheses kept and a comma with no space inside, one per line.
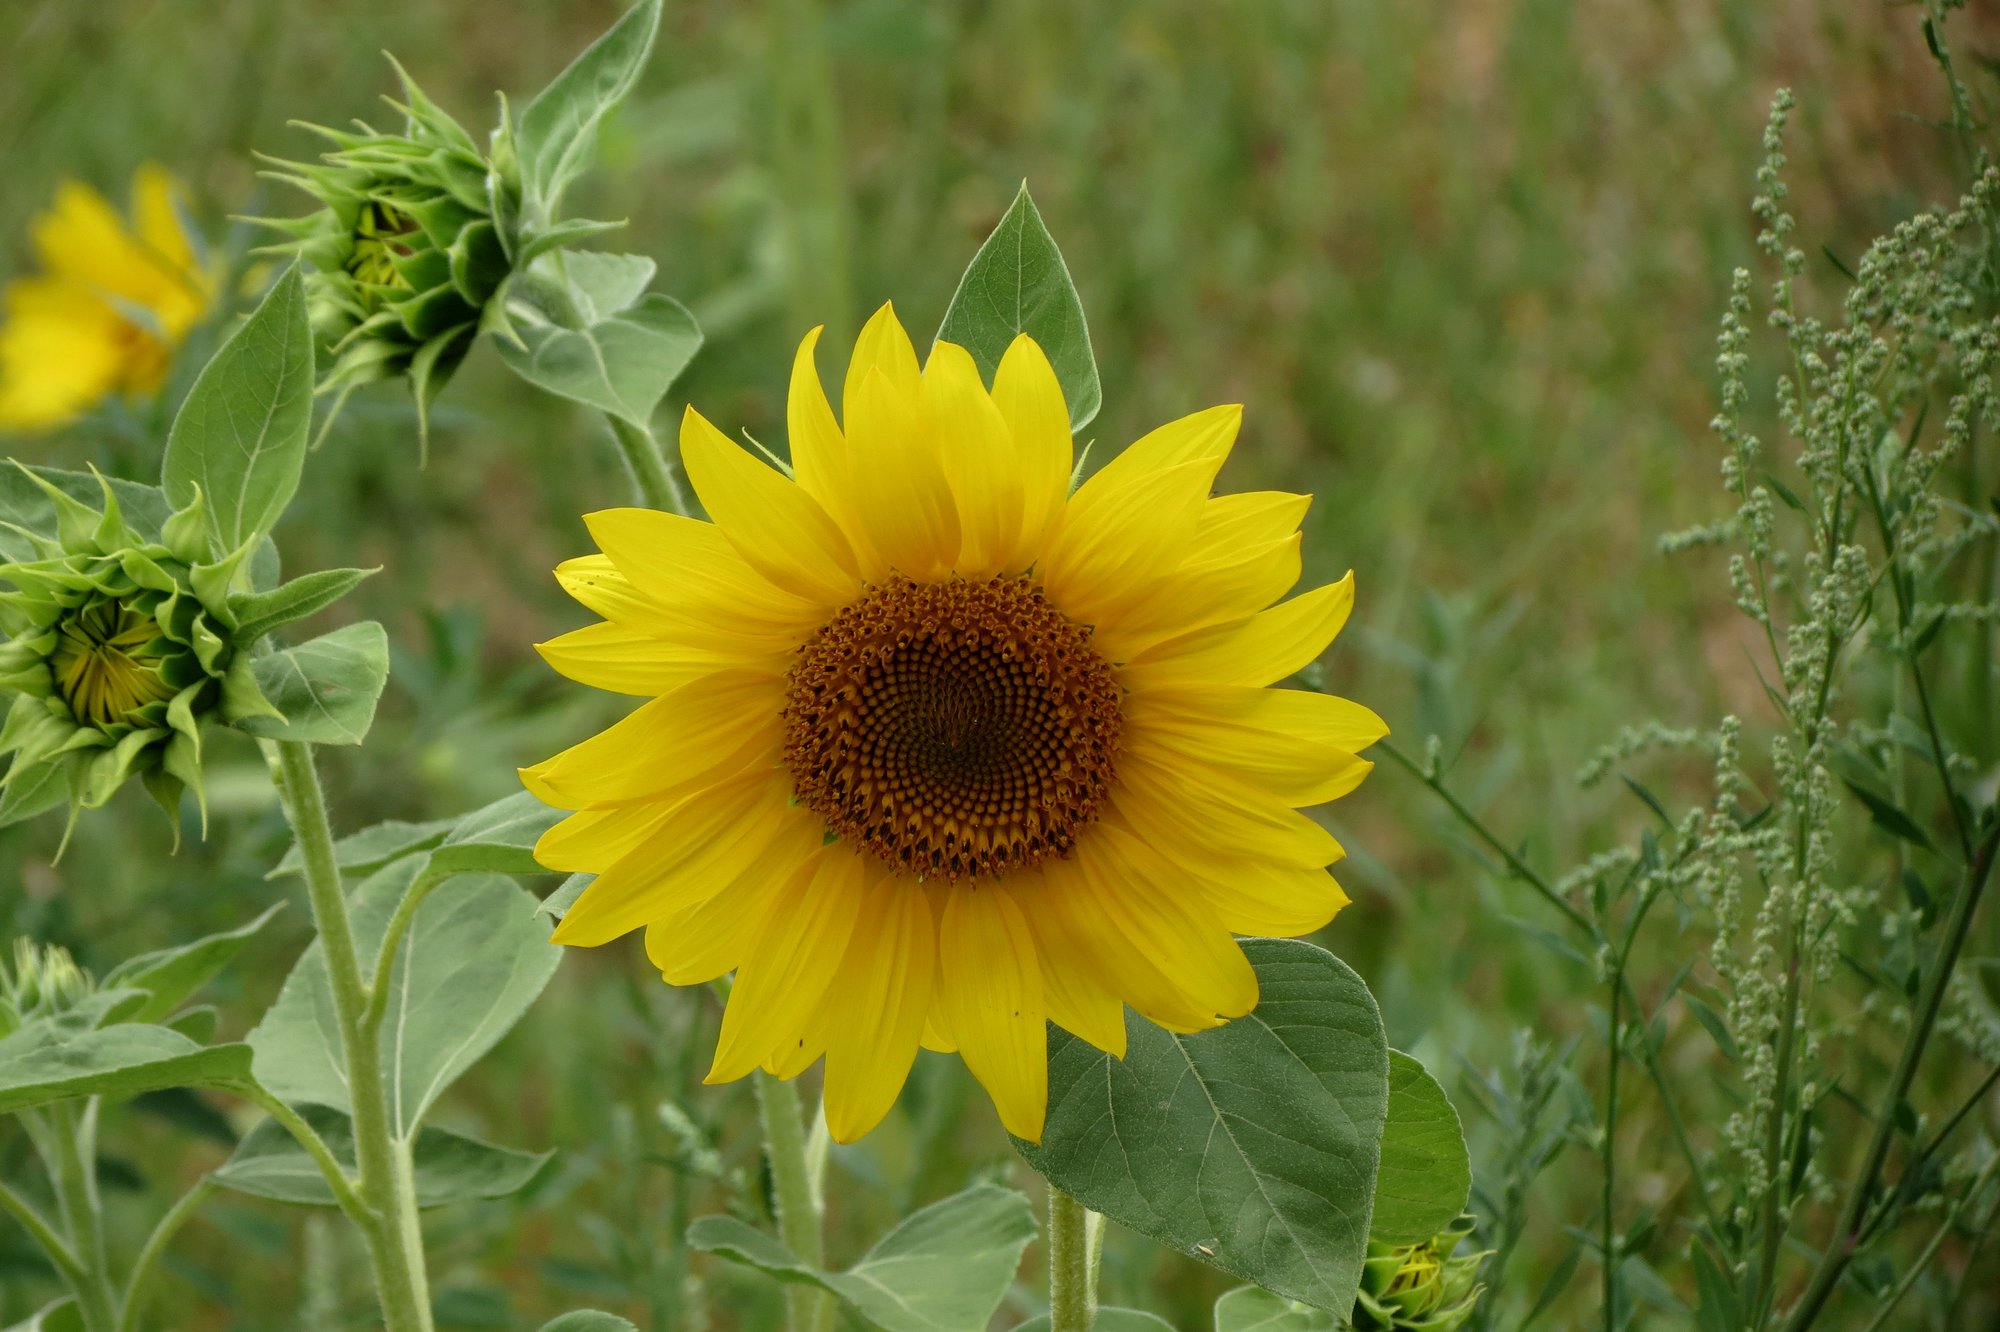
(936,749)
(109,308)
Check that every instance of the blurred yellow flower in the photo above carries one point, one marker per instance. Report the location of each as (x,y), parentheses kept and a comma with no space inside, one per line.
(937,750)
(108,309)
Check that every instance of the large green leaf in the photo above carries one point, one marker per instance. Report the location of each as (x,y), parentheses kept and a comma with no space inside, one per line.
(240,437)
(1017,284)
(473,961)
(496,839)
(1248,1309)
(373,847)
(623,364)
(558,130)
(258,613)
(1252,1146)
(944,1269)
(589,1320)
(171,975)
(44,1061)
(449,1166)
(1109,1318)
(1425,1175)
(327,689)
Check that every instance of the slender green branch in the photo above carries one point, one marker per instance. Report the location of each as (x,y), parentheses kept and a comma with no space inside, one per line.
(791,1178)
(1923,1260)
(1774,1139)
(1610,1153)
(1072,1274)
(350,1203)
(395,1247)
(83,1212)
(156,1243)
(652,475)
(43,1233)
(391,946)
(1845,1241)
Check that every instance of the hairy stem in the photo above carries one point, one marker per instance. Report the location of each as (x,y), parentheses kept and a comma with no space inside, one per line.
(156,1244)
(42,1232)
(1072,1273)
(791,1177)
(83,1213)
(652,476)
(395,1248)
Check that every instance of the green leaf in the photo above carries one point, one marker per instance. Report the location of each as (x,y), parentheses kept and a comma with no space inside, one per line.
(25,504)
(557,904)
(326,689)
(171,975)
(1252,1147)
(622,365)
(473,961)
(944,1269)
(1109,1318)
(1016,284)
(43,1062)
(258,613)
(240,438)
(589,1320)
(1425,1175)
(450,1167)
(606,283)
(1889,817)
(558,130)
(34,790)
(498,839)
(1248,1309)
(373,847)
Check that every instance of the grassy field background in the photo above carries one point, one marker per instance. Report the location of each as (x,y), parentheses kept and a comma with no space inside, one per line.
(1462,262)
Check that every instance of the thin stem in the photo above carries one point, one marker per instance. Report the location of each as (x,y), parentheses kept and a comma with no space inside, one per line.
(385,956)
(395,1248)
(82,1213)
(1774,1140)
(1841,1247)
(791,1178)
(1610,1254)
(652,476)
(43,1233)
(1072,1275)
(1923,1261)
(156,1243)
(307,1137)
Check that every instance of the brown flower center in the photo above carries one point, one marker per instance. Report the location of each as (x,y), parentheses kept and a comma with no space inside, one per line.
(953,728)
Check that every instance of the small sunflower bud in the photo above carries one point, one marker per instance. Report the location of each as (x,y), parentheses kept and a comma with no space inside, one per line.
(41,982)
(406,249)
(120,647)
(1419,1287)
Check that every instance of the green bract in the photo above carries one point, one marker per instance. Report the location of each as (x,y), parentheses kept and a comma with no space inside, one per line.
(40,982)
(120,648)
(1419,1287)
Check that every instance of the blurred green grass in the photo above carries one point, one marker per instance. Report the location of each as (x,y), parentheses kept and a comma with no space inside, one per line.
(1461,261)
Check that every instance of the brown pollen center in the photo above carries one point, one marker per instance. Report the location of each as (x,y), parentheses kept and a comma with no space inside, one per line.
(955,728)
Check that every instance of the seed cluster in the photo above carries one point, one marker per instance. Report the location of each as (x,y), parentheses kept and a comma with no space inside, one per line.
(956,728)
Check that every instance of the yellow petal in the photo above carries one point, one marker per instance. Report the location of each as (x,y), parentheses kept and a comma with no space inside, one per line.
(1300,746)
(62,351)
(773,524)
(156,213)
(901,497)
(1205,436)
(877,1006)
(689,583)
(978,455)
(884,347)
(819,454)
(711,727)
(1108,544)
(1219,819)
(712,837)
(990,988)
(1078,997)
(1248,893)
(711,938)
(1272,645)
(1030,400)
(627,660)
(792,960)
(1198,597)
(596,839)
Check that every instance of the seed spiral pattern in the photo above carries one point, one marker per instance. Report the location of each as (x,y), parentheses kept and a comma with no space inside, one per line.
(954,729)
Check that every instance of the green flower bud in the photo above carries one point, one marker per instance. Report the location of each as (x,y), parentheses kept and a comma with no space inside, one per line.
(119,649)
(1419,1287)
(42,982)
(412,242)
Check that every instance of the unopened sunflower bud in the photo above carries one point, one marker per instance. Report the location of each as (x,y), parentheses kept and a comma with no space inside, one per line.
(406,251)
(120,648)
(1419,1287)
(41,982)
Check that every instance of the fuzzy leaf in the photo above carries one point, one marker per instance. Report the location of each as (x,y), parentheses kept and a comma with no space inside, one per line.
(1253,1146)
(45,1061)
(1425,1174)
(945,1268)
(171,975)
(622,365)
(475,958)
(25,504)
(240,438)
(498,839)
(1248,1309)
(269,1163)
(558,130)
(373,847)
(326,689)
(1016,284)
(258,613)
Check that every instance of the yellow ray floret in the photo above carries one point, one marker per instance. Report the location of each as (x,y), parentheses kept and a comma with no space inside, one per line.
(936,750)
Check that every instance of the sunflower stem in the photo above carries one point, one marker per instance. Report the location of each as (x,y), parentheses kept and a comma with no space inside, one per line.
(1072,1265)
(83,1213)
(791,1180)
(652,475)
(395,1245)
